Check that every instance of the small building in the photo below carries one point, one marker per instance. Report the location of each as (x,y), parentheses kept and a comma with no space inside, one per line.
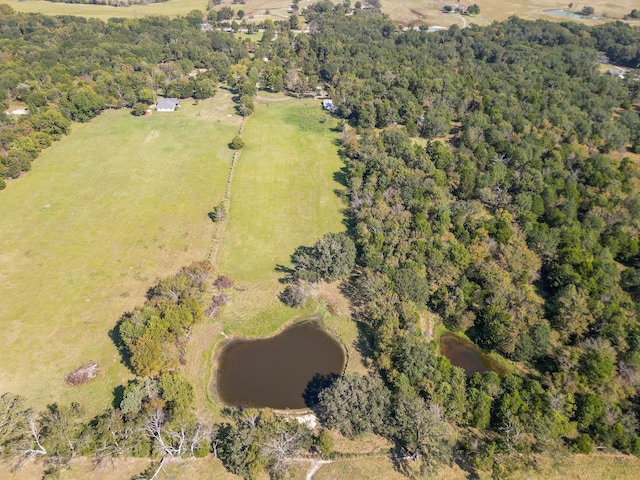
(618,72)
(167,104)
(327,104)
(18,111)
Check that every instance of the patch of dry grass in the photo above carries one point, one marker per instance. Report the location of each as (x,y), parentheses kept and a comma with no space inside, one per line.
(82,469)
(407,12)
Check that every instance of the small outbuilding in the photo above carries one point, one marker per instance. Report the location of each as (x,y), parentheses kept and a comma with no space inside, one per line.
(167,104)
(617,72)
(18,111)
(327,104)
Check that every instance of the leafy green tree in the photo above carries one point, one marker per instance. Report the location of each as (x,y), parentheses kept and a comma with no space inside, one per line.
(245,105)
(598,366)
(324,443)
(50,121)
(236,143)
(139,109)
(582,444)
(590,411)
(354,405)
(84,104)
(473,9)
(332,257)
(147,356)
(225,13)
(177,392)
(423,433)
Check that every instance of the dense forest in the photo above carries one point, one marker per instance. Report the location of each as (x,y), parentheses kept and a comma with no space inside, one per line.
(488,185)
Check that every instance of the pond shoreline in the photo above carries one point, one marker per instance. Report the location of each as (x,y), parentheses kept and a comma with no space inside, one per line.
(329,343)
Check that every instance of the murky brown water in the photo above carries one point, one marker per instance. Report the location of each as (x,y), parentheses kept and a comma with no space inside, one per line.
(467,356)
(274,372)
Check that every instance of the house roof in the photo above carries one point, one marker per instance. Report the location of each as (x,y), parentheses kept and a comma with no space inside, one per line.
(18,111)
(167,104)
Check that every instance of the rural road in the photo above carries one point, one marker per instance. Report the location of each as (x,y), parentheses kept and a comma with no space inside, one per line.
(464,20)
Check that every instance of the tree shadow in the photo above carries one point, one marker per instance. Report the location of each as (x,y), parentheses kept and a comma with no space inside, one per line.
(472,473)
(318,383)
(289,274)
(116,338)
(118,396)
(399,461)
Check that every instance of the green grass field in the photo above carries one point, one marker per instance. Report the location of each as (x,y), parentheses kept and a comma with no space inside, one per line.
(283,191)
(105,213)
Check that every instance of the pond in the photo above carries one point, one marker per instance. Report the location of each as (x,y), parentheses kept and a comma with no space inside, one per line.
(564,13)
(274,372)
(464,354)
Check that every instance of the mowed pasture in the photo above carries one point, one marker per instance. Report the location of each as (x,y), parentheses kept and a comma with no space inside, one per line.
(408,12)
(104,214)
(283,195)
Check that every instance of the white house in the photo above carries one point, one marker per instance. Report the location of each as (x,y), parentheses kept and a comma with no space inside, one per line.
(167,104)
(18,111)
(327,104)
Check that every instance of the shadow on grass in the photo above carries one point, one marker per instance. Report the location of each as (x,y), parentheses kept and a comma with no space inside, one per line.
(116,338)
(471,472)
(289,274)
(118,395)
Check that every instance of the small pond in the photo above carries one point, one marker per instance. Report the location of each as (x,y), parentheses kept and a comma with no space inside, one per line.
(564,13)
(274,372)
(464,354)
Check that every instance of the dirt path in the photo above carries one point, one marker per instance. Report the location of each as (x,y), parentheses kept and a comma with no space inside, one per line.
(464,20)
(315,466)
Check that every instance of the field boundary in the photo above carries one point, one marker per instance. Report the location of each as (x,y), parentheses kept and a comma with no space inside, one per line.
(219,229)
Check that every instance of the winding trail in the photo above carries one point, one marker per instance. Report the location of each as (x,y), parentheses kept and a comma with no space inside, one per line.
(315,466)
(464,20)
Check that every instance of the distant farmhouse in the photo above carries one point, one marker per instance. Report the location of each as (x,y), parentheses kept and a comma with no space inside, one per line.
(618,72)
(167,104)
(18,111)
(327,104)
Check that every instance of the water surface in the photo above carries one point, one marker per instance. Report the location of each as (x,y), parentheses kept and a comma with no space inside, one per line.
(274,372)
(467,356)
(564,13)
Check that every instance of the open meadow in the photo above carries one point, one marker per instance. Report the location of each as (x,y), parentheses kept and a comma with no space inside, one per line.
(408,12)
(283,195)
(106,212)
